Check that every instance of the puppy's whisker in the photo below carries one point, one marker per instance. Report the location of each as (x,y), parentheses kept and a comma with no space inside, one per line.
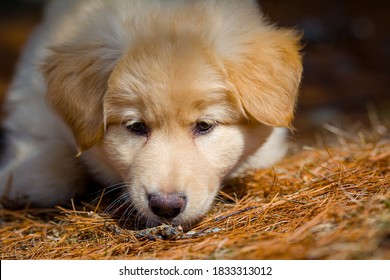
(117,202)
(128,213)
(142,218)
(138,220)
(220,199)
(129,209)
(104,191)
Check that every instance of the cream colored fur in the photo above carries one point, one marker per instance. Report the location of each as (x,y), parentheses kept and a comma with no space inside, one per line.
(94,68)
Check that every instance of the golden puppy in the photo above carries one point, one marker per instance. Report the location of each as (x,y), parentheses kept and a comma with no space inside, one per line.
(164,99)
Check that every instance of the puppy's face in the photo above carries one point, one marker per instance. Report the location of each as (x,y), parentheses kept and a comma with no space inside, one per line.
(173,129)
(174,114)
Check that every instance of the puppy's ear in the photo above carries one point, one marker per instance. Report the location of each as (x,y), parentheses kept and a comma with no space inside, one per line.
(76,80)
(266,76)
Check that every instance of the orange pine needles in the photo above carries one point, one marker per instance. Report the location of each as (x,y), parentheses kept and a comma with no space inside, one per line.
(320,203)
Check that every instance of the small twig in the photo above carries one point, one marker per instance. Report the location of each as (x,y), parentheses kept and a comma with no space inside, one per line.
(73,206)
(221,218)
(100,200)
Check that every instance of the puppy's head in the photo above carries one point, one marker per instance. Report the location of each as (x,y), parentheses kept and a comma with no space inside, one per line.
(173,114)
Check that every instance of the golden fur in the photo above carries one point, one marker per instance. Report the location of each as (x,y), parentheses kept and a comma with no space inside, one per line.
(173,66)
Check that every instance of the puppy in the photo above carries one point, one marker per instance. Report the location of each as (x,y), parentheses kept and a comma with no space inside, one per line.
(163,99)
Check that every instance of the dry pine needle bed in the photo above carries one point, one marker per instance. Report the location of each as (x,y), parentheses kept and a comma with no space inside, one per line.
(320,203)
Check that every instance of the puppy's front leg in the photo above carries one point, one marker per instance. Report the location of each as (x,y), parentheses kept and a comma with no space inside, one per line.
(40,172)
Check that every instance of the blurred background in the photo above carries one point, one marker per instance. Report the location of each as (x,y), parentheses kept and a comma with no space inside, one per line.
(346,80)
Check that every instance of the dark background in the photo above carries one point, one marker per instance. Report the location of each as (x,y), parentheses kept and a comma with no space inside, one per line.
(346,56)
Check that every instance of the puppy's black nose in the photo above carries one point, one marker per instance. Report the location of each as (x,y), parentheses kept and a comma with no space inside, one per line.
(167,206)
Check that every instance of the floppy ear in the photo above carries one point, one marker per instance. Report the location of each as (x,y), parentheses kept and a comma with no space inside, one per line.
(76,80)
(266,75)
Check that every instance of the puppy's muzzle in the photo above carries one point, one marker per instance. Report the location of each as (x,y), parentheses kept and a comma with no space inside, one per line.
(167,206)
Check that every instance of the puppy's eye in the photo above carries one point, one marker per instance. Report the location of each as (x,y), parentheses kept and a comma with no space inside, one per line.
(138,128)
(203,127)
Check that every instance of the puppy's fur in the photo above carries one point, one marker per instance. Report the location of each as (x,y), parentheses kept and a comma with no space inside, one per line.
(165,99)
